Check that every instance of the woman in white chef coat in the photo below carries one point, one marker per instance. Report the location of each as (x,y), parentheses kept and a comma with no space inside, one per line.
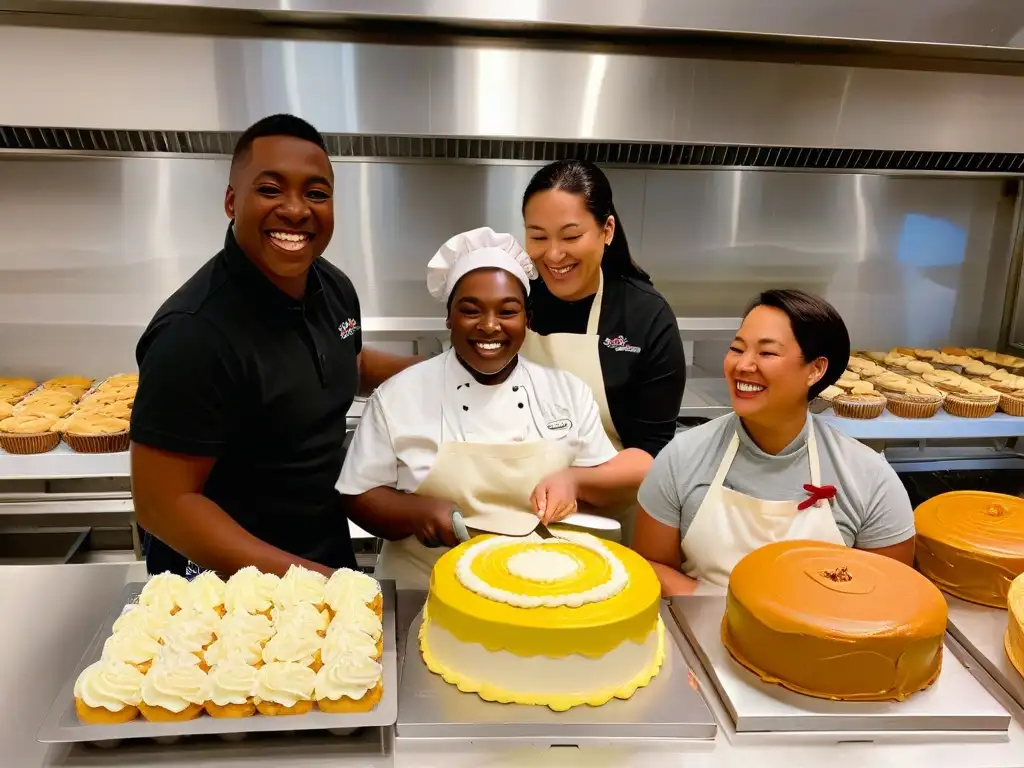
(770,471)
(478,439)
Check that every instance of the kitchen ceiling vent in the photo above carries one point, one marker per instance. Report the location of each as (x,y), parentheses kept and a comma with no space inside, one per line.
(107,142)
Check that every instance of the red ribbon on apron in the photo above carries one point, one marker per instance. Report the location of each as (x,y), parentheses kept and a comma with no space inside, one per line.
(817,493)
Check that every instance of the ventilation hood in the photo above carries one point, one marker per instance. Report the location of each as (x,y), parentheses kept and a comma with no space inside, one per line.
(123,92)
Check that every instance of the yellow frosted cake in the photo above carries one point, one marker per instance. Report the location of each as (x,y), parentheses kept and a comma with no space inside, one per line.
(971,544)
(833,622)
(555,622)
(1013,641)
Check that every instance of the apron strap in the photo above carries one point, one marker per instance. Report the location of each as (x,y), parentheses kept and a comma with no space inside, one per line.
(595,308)
(726,463)
(812,453)
(734,444)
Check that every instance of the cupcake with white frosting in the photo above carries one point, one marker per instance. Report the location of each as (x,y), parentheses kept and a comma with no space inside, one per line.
(250,591)
(359,618)
(284,689)
(108,693)
(349,642)
(300,585)
(206,592)
(166,592)
(249,627)
(295,645)
(349,684)
(174,691)
(232,686)
(136,647)
(139,617)
(303,616)
(347,586)
(192,631)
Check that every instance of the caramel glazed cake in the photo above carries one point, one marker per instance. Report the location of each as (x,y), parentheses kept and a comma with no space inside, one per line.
(833,622)
(556,622)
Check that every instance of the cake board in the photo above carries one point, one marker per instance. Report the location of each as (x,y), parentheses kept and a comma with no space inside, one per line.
(955,704)
(668,710)
(979,629)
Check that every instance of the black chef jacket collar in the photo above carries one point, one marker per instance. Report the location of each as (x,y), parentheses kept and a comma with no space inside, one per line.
(267,296)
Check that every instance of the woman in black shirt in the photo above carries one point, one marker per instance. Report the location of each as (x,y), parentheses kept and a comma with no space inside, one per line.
(595,313)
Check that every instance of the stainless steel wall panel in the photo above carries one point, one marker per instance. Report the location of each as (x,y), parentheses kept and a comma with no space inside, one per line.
(152,82)
(92,246)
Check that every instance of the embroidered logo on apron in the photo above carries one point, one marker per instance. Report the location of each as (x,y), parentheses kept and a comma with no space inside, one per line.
(559,425)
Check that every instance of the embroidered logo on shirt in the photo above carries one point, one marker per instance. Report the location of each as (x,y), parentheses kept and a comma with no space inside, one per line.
(347,328)
(559,425)
(620,344)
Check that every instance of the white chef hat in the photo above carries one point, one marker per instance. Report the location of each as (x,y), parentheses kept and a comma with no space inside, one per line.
(477,249)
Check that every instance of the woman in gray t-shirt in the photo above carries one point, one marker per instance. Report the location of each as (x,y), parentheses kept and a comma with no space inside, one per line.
(770,471)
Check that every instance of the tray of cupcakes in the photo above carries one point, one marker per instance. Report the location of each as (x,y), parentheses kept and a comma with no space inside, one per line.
(258,653)
(89,416)
(970,383)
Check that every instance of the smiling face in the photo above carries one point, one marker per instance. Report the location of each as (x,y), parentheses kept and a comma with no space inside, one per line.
(566,243)
(280,198)
(765,368)
(488,321)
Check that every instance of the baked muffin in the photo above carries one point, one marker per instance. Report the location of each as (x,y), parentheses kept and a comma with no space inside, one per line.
(978,353)
(977,369)
(847,380)
(876,357)
(6,410)
(954,363)
(909,398)
(46,403)
(926,354)
(25,433)
(971,400)
(93,432)
(864,368)
(12,390)
(898,363)
(174,691)
(862,404)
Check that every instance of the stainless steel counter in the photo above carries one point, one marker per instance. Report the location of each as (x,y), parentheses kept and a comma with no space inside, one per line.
(51,612)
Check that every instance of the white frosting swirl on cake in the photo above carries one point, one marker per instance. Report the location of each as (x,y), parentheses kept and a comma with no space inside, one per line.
(358,617)
(231,682)
(303,616)
(292,644)
(165,592)
(347,642)
(143,619)
(284,684)
(133,647)
(250,591)
(346,586)
(347,676)
(300,585)
(251,627)
(206,591)
(617,581)
(110,685)
(174,686)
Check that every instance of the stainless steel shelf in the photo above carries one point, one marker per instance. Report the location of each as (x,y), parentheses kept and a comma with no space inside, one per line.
(942,426)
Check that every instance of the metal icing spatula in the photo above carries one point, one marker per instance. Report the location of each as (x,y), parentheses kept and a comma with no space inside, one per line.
(542,531)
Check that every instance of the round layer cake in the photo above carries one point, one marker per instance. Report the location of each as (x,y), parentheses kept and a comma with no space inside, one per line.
(1013,640)
(971,544)
(834,622)
(556,622)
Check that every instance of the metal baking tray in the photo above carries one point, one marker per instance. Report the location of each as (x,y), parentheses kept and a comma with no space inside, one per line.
(670,708)
(956,702)
(63,726)
(980,629)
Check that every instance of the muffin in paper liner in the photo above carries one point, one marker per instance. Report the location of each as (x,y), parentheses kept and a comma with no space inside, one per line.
(912,406)
(971,406)
(850,406)
(1012,403)
(823,401)
(113,443)
(43,442)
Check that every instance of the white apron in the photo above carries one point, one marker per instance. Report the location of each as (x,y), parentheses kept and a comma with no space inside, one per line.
(489,483)
(730,525)
(579,355)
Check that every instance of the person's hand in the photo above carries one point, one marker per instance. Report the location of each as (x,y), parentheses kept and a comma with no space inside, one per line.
(435,529)
(554,498)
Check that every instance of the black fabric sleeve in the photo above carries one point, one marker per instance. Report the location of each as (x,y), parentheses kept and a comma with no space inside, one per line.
(656,388)
(190,395)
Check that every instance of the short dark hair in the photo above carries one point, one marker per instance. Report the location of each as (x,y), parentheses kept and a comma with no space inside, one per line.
(578,177)
(276,125)
(817,327)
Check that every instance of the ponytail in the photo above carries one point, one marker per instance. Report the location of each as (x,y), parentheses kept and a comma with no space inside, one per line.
(578,177)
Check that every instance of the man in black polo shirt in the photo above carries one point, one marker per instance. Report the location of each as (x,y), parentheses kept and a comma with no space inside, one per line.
(247,373)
